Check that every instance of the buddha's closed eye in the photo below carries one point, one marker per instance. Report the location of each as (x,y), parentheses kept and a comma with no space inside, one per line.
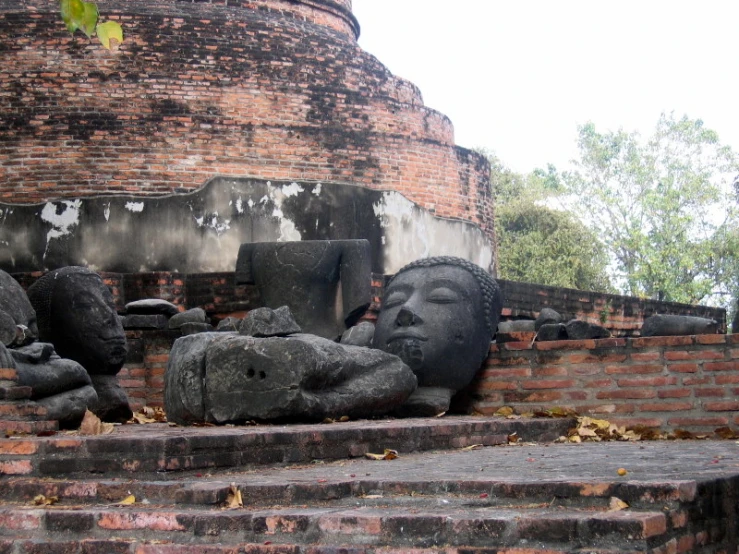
(395,298)
(443,295)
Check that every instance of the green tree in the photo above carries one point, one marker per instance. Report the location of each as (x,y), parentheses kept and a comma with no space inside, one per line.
(540,244)
(663,208)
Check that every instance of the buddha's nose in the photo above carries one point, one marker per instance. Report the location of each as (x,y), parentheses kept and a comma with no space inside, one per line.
(407,317)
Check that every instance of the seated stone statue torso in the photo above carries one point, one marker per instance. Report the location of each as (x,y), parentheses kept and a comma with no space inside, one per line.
(59,385)
(307,276)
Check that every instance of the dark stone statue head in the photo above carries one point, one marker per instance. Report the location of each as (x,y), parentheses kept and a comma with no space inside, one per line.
(76,314)
(438,315)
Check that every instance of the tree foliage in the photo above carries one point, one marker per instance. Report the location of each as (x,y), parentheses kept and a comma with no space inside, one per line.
(78,14)
(540,244)
(664,208)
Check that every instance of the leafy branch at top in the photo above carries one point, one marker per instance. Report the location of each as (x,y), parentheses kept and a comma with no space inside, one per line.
(78,14)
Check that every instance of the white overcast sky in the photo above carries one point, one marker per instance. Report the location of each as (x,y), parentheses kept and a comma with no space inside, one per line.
(519,76)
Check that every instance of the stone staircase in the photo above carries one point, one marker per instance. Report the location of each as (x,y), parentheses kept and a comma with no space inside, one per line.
(506,499)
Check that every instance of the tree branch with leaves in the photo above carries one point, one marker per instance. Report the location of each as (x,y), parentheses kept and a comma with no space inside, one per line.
(84,16)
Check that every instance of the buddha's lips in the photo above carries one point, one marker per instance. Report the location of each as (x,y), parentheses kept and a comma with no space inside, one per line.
(407,334)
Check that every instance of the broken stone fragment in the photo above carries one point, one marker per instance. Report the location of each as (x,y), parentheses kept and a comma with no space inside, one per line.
(266,322)
(547,316)
(520,330)
(359,335)
(152,306)
(581,330)
(673,325)
(552,331)
(229,324)
(194,315)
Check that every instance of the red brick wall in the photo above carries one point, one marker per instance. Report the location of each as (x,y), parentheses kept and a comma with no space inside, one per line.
(271,89)
(142,376)
(622,315)
(688,382)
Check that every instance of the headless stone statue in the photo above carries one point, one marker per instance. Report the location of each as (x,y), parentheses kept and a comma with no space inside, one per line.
(439,315)
(76,314)
(62,386)
(325,283)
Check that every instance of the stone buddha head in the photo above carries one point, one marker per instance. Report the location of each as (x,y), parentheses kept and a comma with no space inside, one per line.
(438,315)
(76,314)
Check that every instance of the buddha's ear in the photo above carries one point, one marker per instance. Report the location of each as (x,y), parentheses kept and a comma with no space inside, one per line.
(244,270)
(356,279)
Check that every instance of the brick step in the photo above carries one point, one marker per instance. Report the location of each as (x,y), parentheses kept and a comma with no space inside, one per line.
(22,410)
(545,528)
(347,492)
(121,546)
(11,427)
(156,448)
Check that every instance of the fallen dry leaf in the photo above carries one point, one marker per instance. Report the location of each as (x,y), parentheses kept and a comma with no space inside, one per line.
(92,425)
(513,438)
(41,500)
(726,433)
(504,411)
(130,499)
(387,455)
(472,447)
(616,504)
(234,500)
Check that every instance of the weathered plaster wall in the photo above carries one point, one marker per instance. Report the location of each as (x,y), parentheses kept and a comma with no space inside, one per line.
(201,231)
(270,89)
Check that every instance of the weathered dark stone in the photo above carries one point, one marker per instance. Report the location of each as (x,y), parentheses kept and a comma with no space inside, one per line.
(301,376)
(266,322)
(141,321)
(438,315)
(50,376)
(547,316)
(580,330)
(184,377)
(359,335)
(673,325)
(305,276)
(735,323)
(426,402)
(152,306)
(76,314)
(15,306)
(8,329)
(69,407)
(515,331)
(552,331)
(192,328)
(34,353)
(517,326)
(112,402)
(194,315)
(229,324)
